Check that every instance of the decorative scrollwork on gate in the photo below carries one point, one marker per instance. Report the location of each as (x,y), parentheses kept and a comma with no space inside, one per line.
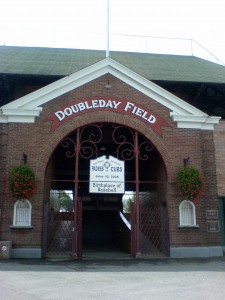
(144,150)
(90,136)
(124,137)
(70,145)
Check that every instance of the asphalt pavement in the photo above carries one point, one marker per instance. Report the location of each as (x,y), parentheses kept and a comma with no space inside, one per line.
(26,279)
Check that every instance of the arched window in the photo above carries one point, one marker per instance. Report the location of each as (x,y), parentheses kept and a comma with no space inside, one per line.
(22,213)
(187,213)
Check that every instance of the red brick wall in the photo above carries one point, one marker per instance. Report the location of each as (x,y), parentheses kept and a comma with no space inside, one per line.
(219,137)
(37,141)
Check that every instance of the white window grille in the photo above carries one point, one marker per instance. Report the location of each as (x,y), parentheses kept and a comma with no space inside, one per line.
(22,213)
(187,213)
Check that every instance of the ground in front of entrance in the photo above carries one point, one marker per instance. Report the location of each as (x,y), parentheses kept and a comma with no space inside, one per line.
(112,279)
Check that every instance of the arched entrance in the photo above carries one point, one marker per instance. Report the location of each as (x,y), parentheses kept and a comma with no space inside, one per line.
(77,222)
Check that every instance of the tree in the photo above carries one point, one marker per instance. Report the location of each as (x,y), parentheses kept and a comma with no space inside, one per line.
(65,200)
(126,204)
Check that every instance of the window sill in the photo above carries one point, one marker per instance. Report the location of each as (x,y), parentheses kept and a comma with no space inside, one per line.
(188,226)
(19,227)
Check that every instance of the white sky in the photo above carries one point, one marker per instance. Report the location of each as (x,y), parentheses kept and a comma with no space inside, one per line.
(82,24)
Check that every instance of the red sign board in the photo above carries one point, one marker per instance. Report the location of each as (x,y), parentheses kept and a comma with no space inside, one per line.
(117,105)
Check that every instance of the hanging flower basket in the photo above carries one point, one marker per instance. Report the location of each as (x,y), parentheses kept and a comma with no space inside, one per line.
(190,184)
(22,182)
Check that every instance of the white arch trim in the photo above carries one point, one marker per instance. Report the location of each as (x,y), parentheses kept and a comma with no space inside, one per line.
(22,213)
(187,213)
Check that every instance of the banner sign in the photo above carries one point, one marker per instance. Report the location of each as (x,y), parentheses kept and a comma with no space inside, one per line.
(106,175)
(107,104)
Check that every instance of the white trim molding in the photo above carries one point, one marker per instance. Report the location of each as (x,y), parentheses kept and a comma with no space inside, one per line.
(22,214)
(19,115)
(204,122)
(27,108)
(187,214)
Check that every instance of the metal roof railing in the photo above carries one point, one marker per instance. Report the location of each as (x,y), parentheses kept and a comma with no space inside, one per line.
(98,41)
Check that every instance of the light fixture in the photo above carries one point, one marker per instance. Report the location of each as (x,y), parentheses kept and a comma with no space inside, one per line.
(102,148)
(24,158)
(186,161)
(108,85)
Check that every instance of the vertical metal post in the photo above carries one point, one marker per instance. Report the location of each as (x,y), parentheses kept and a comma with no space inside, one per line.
(138,239)
(107,30)
(79,227)
(77,152)
(133,230)
(45,229)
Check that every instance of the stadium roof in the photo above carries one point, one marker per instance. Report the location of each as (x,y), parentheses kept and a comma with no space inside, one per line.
(63,62)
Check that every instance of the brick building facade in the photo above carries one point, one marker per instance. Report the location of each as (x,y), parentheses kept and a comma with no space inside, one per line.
(175,129)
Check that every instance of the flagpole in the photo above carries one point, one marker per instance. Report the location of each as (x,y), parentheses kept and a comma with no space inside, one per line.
(107,33)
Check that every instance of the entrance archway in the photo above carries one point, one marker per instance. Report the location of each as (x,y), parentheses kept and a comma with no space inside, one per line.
(75,220)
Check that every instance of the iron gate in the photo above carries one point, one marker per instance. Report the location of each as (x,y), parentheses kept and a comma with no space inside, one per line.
(60,233)
(59,237)
(154,231)
(63,230)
